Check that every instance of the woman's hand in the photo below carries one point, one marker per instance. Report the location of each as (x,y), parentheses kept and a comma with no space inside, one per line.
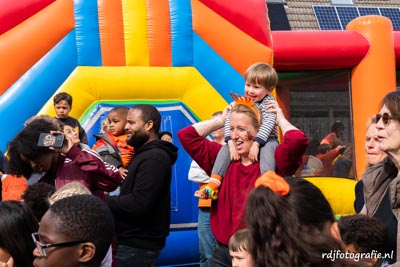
(273,107)
(68,143)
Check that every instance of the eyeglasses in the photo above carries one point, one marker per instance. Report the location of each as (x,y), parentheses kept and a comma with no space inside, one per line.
(385,118)
(41,247)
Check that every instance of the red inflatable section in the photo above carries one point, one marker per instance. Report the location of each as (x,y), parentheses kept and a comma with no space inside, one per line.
(19,10)
(254,23)
(318,50)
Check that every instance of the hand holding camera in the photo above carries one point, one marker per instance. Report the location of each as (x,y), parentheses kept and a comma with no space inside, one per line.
(55,140)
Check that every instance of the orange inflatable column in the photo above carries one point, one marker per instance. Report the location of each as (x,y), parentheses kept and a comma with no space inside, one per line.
(372,78)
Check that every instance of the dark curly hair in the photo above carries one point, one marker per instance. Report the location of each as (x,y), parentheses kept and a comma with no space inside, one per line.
(365,233)
(25,143)
(36,197)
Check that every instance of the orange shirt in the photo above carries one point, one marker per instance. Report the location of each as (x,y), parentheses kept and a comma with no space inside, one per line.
(13,187)
(126,151)
(119,142)
(332,140)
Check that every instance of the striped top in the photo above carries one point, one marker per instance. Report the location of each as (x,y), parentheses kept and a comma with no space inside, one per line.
(268,125)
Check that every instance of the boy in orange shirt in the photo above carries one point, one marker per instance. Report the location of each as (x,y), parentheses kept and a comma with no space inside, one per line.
(112,146)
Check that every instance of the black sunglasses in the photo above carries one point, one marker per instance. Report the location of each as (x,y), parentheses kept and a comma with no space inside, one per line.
(385,118)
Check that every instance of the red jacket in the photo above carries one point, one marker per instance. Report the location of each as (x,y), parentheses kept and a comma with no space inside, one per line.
(227,211)
(86,167)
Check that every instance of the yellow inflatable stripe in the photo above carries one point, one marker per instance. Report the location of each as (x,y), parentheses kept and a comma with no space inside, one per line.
(134,13)
(88,85)
(338,191)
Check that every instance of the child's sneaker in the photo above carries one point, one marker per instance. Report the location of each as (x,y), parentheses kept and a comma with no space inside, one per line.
(206,193)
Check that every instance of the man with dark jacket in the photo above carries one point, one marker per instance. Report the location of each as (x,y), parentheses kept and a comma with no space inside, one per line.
(142,211)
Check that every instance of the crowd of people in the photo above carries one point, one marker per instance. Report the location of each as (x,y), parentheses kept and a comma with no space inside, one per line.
(109,205)
(72,190)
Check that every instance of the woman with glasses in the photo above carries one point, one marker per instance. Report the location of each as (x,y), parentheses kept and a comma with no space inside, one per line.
(17,223)
(380,180)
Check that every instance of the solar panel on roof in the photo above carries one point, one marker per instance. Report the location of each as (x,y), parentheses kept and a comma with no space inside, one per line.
(393,14)
(346,14)
(327,18)
(364,11)
(337,17)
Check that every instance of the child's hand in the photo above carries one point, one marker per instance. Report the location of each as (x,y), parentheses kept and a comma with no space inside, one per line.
(253,153)
(227,109)
(232,151)
(123,172)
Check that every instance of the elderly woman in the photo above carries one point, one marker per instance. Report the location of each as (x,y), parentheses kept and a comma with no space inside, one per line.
(373,153)
(227,211)
(381,181)
(373,156)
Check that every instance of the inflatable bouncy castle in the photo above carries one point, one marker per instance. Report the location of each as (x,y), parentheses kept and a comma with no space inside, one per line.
(183,56)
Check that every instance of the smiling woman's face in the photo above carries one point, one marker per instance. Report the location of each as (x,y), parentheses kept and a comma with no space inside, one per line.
(242,132)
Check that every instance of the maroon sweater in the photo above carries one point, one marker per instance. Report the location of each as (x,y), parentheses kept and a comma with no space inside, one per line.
(86,166)
(227,211)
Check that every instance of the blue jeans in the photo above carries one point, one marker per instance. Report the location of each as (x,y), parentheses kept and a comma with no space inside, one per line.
(206,237)
(130,256)
(220,257)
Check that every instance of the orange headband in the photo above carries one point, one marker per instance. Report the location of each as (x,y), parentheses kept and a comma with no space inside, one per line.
(274,182)
(245,101)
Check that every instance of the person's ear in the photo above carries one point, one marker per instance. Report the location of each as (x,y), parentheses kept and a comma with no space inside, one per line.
(335,232)
(87,251)
(149,125)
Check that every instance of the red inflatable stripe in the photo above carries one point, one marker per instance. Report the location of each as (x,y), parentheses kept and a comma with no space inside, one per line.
(14,12)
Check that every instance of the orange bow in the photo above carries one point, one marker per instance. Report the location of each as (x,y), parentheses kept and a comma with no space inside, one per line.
(274,182)
(244,100)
